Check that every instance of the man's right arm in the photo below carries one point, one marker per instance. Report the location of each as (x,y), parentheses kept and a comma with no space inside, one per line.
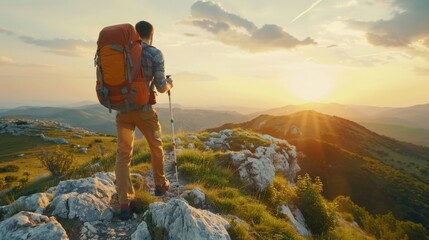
(162,84)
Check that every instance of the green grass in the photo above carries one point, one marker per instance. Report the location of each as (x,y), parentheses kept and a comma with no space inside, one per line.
(265,225)
(198,166)
(14,145)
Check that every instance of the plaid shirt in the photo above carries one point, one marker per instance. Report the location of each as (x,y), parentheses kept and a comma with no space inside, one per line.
(153,66)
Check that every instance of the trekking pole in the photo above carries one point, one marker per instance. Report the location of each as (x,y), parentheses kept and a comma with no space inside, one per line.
(174,140)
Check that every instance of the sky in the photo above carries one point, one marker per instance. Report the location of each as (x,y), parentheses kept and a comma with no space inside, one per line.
(247,54)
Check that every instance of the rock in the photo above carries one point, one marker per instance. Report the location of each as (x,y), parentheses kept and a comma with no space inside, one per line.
(54,140)
(192,137)
(77,136)
(101,185)
(297,220)
(86,199)
(191,145)
(35,202)
(83,150)
(294,131)
(90,228)
(28,225)
(141,233)
(259,172)
(20,155)
(177,220)
(239,157)
(85,207)
(195,198)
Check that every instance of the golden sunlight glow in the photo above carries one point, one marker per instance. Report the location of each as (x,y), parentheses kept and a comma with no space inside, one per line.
(311,85)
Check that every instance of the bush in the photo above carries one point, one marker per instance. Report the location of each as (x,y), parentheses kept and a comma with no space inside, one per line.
(319,215)
(10,179)
(280,192)
(381,226)
(9,168)
(58,162)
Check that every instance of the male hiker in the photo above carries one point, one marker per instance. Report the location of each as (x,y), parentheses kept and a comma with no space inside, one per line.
(146,120)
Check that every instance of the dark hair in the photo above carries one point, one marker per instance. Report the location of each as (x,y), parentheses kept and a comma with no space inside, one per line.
(144,29)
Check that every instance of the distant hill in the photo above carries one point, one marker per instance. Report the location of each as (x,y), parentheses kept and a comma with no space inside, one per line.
(377,172)
(97,118)
(409,120)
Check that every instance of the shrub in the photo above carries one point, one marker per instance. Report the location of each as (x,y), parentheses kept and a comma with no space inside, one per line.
(381,226)
(320,216)
(58,162)
(280,192)
(9,168)
(10,179)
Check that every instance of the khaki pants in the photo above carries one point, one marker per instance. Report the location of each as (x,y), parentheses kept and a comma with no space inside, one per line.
(147,122)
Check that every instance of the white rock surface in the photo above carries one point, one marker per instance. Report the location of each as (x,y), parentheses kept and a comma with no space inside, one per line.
(176,220)
(260,166)
(195,197)
(34,203)
(260,172)
(86,199)
(297,220)
(28,225)
(54,140)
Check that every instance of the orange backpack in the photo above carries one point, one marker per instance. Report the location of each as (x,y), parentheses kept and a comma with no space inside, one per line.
(121,83)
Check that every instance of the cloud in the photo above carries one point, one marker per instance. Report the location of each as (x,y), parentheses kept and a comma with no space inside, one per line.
(422,71)
(66,47)
(232,29)
(6,31)
(407,26)
(214,12)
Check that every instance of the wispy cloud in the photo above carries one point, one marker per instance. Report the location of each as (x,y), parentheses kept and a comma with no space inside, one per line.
(6,31)
(306,11)
(64,47)
(234,30)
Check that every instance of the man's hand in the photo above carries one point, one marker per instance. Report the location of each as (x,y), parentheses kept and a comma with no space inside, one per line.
(169,81)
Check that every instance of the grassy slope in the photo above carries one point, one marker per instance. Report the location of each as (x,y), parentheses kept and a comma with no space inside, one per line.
(377,172)
(414,135)
(32,146)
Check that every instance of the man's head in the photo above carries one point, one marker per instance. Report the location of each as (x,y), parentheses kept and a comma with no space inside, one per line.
(145,31)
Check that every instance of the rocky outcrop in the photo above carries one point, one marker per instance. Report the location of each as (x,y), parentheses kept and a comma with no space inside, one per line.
(86,199)
(296,219)
(35,203)
(28,127)
(54,140)
(28,225)
(259,168)
(176,219)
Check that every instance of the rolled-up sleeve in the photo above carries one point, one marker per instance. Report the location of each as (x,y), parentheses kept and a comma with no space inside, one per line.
(154,68)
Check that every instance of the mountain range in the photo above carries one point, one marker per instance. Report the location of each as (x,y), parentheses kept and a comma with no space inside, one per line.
(409,124)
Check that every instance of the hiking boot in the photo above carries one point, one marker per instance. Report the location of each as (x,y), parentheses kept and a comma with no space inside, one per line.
(126,211)
(160,190)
